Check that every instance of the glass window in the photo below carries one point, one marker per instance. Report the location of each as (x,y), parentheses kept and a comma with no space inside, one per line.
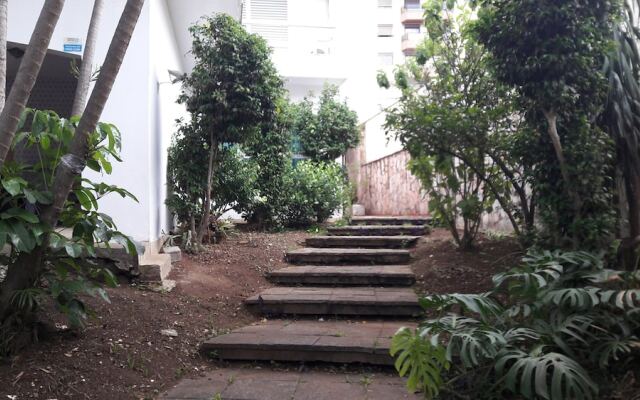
(413,4)
(412,28)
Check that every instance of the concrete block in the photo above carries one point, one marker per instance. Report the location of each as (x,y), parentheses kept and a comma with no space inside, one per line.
(174,252)
(357,210)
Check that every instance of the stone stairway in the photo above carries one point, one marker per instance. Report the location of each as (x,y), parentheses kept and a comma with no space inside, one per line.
(360,270)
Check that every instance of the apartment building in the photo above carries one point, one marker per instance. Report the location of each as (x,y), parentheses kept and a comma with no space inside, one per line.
(344,43)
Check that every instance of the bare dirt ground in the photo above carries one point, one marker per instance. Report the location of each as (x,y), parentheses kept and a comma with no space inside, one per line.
(441,268)
(123,355)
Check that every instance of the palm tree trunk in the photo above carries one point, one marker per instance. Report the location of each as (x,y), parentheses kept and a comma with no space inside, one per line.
(74,162)
(84,79)
(3,52)
(28,73)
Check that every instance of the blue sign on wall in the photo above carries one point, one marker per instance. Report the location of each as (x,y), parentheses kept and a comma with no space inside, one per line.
(74,48)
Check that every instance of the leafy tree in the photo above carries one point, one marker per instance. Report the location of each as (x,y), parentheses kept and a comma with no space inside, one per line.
(556,327)
(461,127)
(232,187)
(232,88)
(78,145)
(328,133)
(551,53)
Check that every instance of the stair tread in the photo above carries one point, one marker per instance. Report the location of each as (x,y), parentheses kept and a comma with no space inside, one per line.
(345,270)
(323,250)
(389,219)
(362,241)
(378,230)
(337,341)
(364,296)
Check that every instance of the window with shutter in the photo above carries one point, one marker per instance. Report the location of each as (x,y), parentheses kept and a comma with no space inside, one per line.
(385,30)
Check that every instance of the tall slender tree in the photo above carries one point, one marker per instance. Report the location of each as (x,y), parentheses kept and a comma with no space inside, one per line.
(3,51)
(74,162)
(27,73)
(84,78)
(27,267)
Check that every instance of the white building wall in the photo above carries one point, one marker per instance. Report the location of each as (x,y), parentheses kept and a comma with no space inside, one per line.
(127,105)
(163,110)
(347,36)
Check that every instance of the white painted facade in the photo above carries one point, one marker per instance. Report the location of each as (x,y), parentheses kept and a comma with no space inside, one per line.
(142,102)
(314,41)
(340,42)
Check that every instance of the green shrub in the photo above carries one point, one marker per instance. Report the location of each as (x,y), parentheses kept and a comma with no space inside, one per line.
(69,268)
(233,186)
(271,152)
(557,327)
(315,192)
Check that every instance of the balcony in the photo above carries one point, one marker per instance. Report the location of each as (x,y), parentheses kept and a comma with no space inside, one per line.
(411,15)
(410,42)
(305,55)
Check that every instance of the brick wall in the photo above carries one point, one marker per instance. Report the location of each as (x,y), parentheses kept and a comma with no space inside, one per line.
(386,187)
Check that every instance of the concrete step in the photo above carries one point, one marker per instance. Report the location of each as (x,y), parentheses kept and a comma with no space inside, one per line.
(370,275)
(329,256)
(399,302)
(237,383)
(390,220)
(378,230)
(331,341)
(369,242)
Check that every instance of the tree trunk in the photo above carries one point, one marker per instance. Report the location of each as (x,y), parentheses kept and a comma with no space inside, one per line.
(206,211)
(3,52)
(73,163)
(84,79)
(28,266)
(552,130)
(27,74)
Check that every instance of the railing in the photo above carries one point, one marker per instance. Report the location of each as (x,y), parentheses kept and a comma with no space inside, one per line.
(411,15)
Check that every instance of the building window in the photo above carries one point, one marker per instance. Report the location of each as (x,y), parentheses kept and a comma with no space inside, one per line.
(412,4)
(384,3)
(385,58)
(412,28)
(385,30)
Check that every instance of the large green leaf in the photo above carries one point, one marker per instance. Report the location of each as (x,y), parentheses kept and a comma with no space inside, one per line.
(551,376)
(421,359)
